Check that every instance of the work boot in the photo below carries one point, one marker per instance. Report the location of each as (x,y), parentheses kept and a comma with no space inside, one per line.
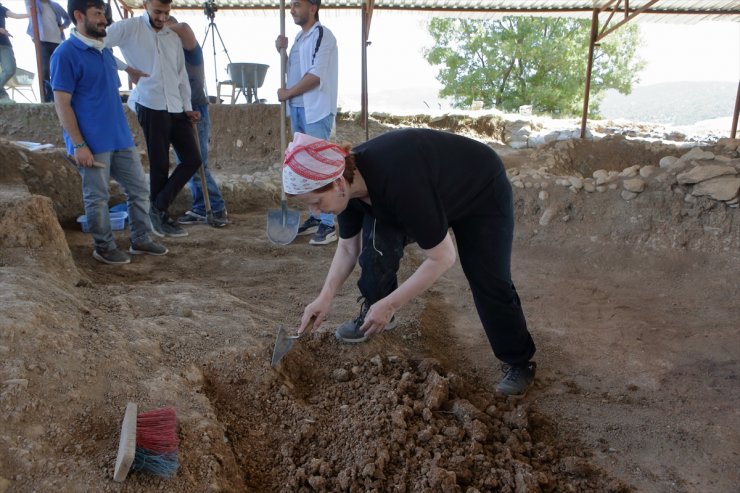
(350,331)
(111,257)
(517,379)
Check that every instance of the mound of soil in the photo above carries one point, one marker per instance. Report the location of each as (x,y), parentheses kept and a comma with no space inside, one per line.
(630,299)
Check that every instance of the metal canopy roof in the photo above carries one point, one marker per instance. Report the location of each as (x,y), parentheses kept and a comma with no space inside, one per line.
(606,16)
(689,11)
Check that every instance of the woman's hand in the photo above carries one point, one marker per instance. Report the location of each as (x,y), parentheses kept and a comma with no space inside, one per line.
(318,310)
(378,317)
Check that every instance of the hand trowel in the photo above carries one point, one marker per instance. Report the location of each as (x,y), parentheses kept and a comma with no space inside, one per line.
(284,342)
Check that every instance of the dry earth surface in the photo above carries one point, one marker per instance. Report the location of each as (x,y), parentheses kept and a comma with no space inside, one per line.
(629,281)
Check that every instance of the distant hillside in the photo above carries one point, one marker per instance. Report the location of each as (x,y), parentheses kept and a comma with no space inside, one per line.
(672,103)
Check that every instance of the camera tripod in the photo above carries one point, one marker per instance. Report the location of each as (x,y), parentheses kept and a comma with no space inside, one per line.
(213,29)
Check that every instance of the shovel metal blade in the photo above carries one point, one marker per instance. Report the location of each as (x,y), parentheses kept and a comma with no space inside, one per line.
(282,224)
(283,343)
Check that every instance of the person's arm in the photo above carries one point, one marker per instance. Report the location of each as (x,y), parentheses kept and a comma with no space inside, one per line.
(308,82)
(119,33)
(186,35)
(66,21)
(134,74)
(13,15)
(63,106)
(342,265)
(438,260)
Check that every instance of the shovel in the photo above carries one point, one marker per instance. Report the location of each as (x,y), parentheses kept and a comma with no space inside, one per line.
(282,224)
(284,342)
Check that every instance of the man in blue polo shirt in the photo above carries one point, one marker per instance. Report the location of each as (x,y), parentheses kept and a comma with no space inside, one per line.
(85,82)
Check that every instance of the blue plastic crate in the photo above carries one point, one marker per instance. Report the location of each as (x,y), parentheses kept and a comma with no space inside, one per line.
(117,221)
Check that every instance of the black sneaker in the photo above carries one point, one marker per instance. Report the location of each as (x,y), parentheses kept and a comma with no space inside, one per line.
(191,217)
(310,226)
(517,379)
(350,331)
(324,235)
(171,229)
(147,247)
(111,257)
(157,218)
(220,218)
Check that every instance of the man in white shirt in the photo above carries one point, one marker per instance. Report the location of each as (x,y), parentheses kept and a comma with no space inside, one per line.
(162,104)
(311,93)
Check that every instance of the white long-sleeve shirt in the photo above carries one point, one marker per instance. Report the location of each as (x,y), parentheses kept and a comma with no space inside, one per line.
(320,101)
(157,53)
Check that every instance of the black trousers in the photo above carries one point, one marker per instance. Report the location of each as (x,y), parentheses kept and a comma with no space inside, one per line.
(484,242)
(161,129)
(47,49)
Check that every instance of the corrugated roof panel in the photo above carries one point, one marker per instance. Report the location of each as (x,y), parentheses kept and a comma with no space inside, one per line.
(662,11)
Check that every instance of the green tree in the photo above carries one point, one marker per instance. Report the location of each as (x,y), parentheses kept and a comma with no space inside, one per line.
(540,61)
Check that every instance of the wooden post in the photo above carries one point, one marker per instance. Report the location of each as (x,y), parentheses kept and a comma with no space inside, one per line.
(363,90)
(733,130)
(591,44)
(37,46)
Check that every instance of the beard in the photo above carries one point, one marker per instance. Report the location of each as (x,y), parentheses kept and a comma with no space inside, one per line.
(156,24)
(95,30)
(300,21)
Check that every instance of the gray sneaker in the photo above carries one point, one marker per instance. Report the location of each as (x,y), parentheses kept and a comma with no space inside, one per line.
(350,331)
(157,218)
(147,247)
(173,230)
(111,257)
(163,225)
(309,226)
(517,379)
(191,217)
(324,235)
(220,219)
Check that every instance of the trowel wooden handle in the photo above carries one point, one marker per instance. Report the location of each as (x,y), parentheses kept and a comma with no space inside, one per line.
(309,327)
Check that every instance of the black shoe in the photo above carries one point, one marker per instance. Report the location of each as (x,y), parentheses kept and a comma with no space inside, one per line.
(191,217)
(324,235)
(517,379)
(350,331)
(111,257)
(220,218)
(147,247)
(157,217)
(309,226)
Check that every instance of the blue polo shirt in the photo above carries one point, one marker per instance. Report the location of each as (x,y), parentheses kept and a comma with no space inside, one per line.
(91,77)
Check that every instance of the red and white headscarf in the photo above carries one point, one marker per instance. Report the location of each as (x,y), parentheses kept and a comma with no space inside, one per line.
(311,163)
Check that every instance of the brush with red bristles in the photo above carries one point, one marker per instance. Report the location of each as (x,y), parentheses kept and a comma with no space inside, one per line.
(148,443)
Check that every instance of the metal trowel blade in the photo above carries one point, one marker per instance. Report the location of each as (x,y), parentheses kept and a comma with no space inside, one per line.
(282,345)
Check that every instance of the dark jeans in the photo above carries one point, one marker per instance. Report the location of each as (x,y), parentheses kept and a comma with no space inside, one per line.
(484,245)
(161,129)
(47,49)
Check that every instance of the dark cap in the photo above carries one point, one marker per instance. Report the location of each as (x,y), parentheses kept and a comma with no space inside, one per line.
(315,2)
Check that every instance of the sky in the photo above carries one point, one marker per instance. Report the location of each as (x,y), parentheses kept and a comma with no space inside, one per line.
(399,78)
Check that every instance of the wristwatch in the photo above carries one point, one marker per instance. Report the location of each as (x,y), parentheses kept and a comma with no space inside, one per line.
(79,146)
